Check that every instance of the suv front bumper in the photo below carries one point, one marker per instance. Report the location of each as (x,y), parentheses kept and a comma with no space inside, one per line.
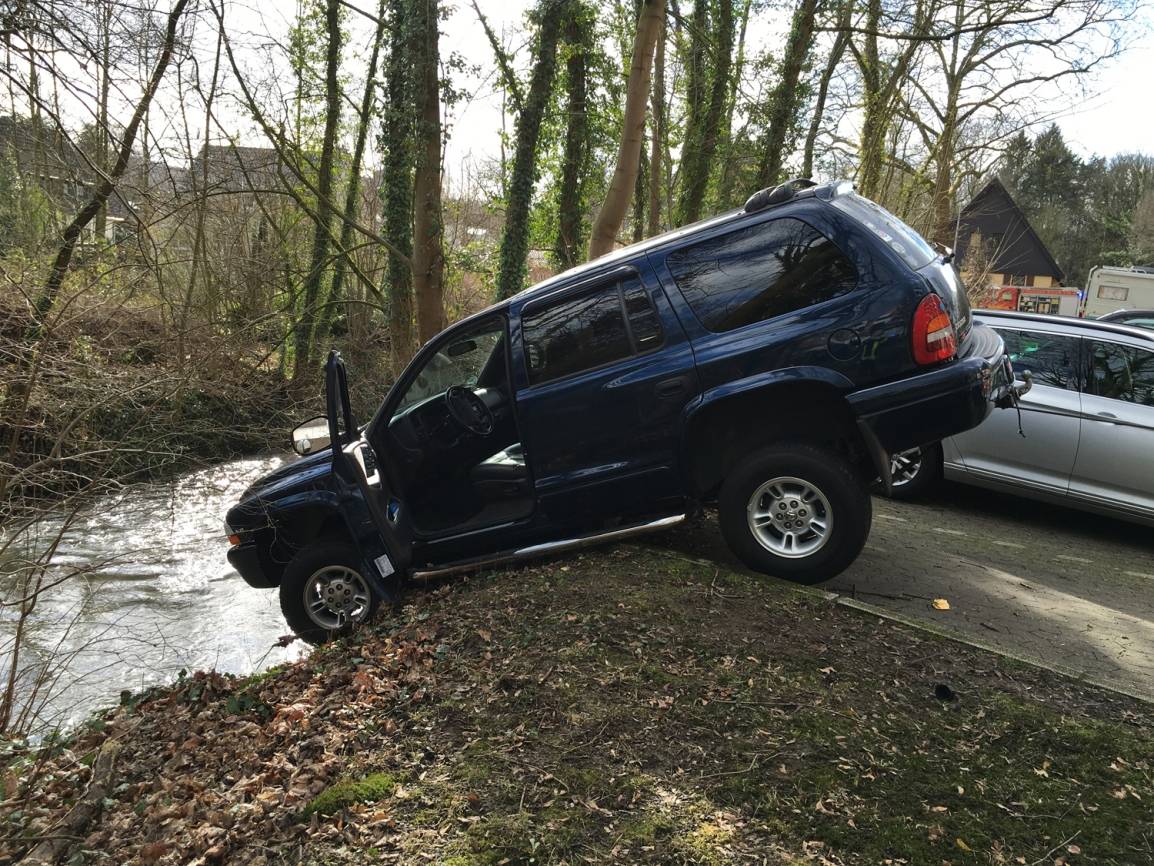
(245,558)
(928,407)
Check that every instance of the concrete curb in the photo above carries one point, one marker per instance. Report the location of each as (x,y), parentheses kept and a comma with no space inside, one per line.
(958,637)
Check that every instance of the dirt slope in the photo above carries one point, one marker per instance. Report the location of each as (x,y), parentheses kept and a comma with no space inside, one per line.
(625,706)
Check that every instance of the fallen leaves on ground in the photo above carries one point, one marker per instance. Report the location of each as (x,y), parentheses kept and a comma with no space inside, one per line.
(617,709)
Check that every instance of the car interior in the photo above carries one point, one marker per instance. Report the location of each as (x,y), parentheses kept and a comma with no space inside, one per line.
(452,439)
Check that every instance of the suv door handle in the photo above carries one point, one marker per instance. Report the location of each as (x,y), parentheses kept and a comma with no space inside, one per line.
(670,387)
(1108,417)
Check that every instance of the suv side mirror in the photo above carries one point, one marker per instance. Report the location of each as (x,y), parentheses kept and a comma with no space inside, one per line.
(311,435)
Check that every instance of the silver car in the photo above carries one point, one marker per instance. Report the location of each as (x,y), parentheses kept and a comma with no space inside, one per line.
(1087,426)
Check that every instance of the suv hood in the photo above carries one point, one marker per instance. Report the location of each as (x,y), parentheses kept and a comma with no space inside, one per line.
(303,474)
(292,471)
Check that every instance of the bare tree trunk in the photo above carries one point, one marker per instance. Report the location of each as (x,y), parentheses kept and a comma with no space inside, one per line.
(869,61)
(783,102)
(198,253)
(612,213)
(943,231)
(657,143)
(314,281)
(515,239)
(102,132)
(428,227)
(353,186)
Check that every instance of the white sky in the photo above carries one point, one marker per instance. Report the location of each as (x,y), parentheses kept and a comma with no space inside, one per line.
(1118,118)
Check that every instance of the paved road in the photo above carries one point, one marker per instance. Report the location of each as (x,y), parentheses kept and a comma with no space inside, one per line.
(1042,582)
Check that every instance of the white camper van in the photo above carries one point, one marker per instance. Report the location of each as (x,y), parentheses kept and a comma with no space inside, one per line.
(1110,289)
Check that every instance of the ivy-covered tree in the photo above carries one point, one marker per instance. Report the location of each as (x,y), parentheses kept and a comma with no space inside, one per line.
(396,145)
(707,90)
(569,248)
(428,223)
(781,113)
(515,238)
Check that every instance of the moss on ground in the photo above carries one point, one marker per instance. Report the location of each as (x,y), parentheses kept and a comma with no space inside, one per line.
(350,792)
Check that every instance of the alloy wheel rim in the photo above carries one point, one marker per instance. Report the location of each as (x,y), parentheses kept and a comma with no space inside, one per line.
(904,466)
(790,517)
(336,596)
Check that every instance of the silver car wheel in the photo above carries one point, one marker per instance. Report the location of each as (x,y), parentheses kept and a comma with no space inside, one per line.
(790,517)
(905,465)
(336,596)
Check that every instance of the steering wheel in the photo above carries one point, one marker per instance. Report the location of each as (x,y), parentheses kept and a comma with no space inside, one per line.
(469,410)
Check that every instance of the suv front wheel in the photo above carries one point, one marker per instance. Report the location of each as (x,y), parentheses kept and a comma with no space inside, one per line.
(795,511)
(323,593)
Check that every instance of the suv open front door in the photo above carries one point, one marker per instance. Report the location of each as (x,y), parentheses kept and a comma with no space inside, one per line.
(377,522)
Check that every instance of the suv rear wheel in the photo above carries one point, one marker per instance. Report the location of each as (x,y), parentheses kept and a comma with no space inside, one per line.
(323,594)
(795,511)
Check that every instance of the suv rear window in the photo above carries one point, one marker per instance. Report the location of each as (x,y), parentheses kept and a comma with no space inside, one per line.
(898,236)
(760,272)
(590,330)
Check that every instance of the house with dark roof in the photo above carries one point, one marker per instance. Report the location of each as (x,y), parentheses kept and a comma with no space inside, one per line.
(1004,261)
(232,168)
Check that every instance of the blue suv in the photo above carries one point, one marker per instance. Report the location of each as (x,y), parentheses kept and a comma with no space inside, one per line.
(768,360)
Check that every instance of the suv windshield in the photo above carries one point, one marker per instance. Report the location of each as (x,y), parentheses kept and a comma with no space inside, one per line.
(459,362)
(902,239)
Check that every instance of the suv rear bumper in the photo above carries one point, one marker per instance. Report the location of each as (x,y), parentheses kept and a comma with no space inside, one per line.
(926,408)
(245,558)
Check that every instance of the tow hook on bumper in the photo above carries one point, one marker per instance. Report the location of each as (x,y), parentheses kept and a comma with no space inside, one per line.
(1016,391)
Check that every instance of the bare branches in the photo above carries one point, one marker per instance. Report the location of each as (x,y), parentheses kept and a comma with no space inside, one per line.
(108,184)
(508,76)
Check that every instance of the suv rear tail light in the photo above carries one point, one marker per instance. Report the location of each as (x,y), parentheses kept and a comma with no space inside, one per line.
(933,332)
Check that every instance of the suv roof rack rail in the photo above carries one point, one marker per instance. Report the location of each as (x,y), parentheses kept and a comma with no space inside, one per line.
(775,195)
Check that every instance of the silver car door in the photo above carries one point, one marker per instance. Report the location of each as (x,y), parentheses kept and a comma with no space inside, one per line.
(1115,462)
(1044,456)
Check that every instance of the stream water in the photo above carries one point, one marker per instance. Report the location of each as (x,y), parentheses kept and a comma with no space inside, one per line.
(151,594)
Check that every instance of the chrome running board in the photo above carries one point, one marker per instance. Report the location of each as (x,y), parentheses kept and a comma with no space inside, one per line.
(549,548)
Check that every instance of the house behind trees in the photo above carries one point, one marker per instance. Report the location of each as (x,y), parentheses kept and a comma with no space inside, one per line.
(1005,263)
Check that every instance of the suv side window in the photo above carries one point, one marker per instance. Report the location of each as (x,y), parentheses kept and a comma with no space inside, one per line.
(1051,358)
(590,330)
(1122,372)
(760,272)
